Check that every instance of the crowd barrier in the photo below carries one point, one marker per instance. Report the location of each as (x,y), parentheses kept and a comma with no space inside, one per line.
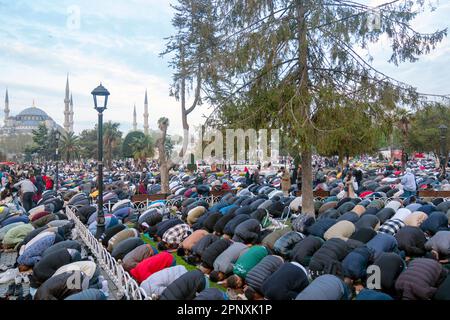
(126,286)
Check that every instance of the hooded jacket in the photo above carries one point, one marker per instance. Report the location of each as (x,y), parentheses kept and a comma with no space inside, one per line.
(441,243)
(247,231)
(327,260)
(326,287)
(149,266)
(411,240)
(286,243)
(136,255)
(286,283)
(159,281)
(185,287)
(391,266)
(355,263)
(225,261)
(420,280)
(304,249)
(382,242)
(263,270)
(213,251)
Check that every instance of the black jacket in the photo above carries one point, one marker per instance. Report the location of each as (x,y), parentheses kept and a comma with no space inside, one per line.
(55,288)
(285,283)
(126,246)
(111,232)
(247,231)
(211,221)
(327,260)
(48,265)
(163,226)
(411,240)
(266,267)
(185,287)
(213,251)
(222,222)
(230,227)
(304,250)
(204,243)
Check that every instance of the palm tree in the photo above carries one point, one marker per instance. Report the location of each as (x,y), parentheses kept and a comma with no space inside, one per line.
(111,139)
(70,146)
(142,148)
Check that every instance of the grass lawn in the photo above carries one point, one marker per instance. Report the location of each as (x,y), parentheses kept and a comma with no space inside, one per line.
(181,262)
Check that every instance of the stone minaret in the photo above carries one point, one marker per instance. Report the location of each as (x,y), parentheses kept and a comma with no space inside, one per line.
(6,107)
(134,119)
(67,107)
(146,114)
(71,114)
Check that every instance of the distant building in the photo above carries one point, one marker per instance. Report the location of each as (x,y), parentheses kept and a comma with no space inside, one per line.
(30,118)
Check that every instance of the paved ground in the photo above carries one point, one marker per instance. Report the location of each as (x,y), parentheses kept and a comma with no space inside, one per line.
(7,290)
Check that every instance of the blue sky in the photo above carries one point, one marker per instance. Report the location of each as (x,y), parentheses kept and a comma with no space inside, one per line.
(118,42)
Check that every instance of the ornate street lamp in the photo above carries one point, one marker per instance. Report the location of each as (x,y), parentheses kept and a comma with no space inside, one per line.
(100,95)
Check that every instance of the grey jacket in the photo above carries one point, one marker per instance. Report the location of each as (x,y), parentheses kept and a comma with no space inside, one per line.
(225,261)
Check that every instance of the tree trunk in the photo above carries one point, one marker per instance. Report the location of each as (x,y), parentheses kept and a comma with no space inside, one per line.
(307,178)
(183,106)
(164,167)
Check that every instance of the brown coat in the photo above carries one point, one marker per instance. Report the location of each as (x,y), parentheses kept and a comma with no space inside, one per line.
(285,181)
(191,240)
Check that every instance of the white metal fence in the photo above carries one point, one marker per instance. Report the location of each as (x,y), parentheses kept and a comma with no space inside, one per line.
(126,285)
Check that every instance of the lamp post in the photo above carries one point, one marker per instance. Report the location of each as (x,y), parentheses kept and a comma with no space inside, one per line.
(57,138)
(100,95)
(443,133)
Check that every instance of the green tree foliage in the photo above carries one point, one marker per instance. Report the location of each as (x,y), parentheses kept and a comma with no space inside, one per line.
(70,146)
(192,48)
(112,139)
(88,143)
(283,62)
(424,135)
(127,151)
(142,147)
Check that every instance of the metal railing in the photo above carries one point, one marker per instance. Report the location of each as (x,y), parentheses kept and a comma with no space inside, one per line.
(126,285)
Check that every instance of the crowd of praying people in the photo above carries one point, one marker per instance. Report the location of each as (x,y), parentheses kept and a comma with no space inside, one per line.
(254,243)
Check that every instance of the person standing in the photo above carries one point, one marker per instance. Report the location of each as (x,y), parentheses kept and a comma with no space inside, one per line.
(285,181)
(27,189)
(409,184)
